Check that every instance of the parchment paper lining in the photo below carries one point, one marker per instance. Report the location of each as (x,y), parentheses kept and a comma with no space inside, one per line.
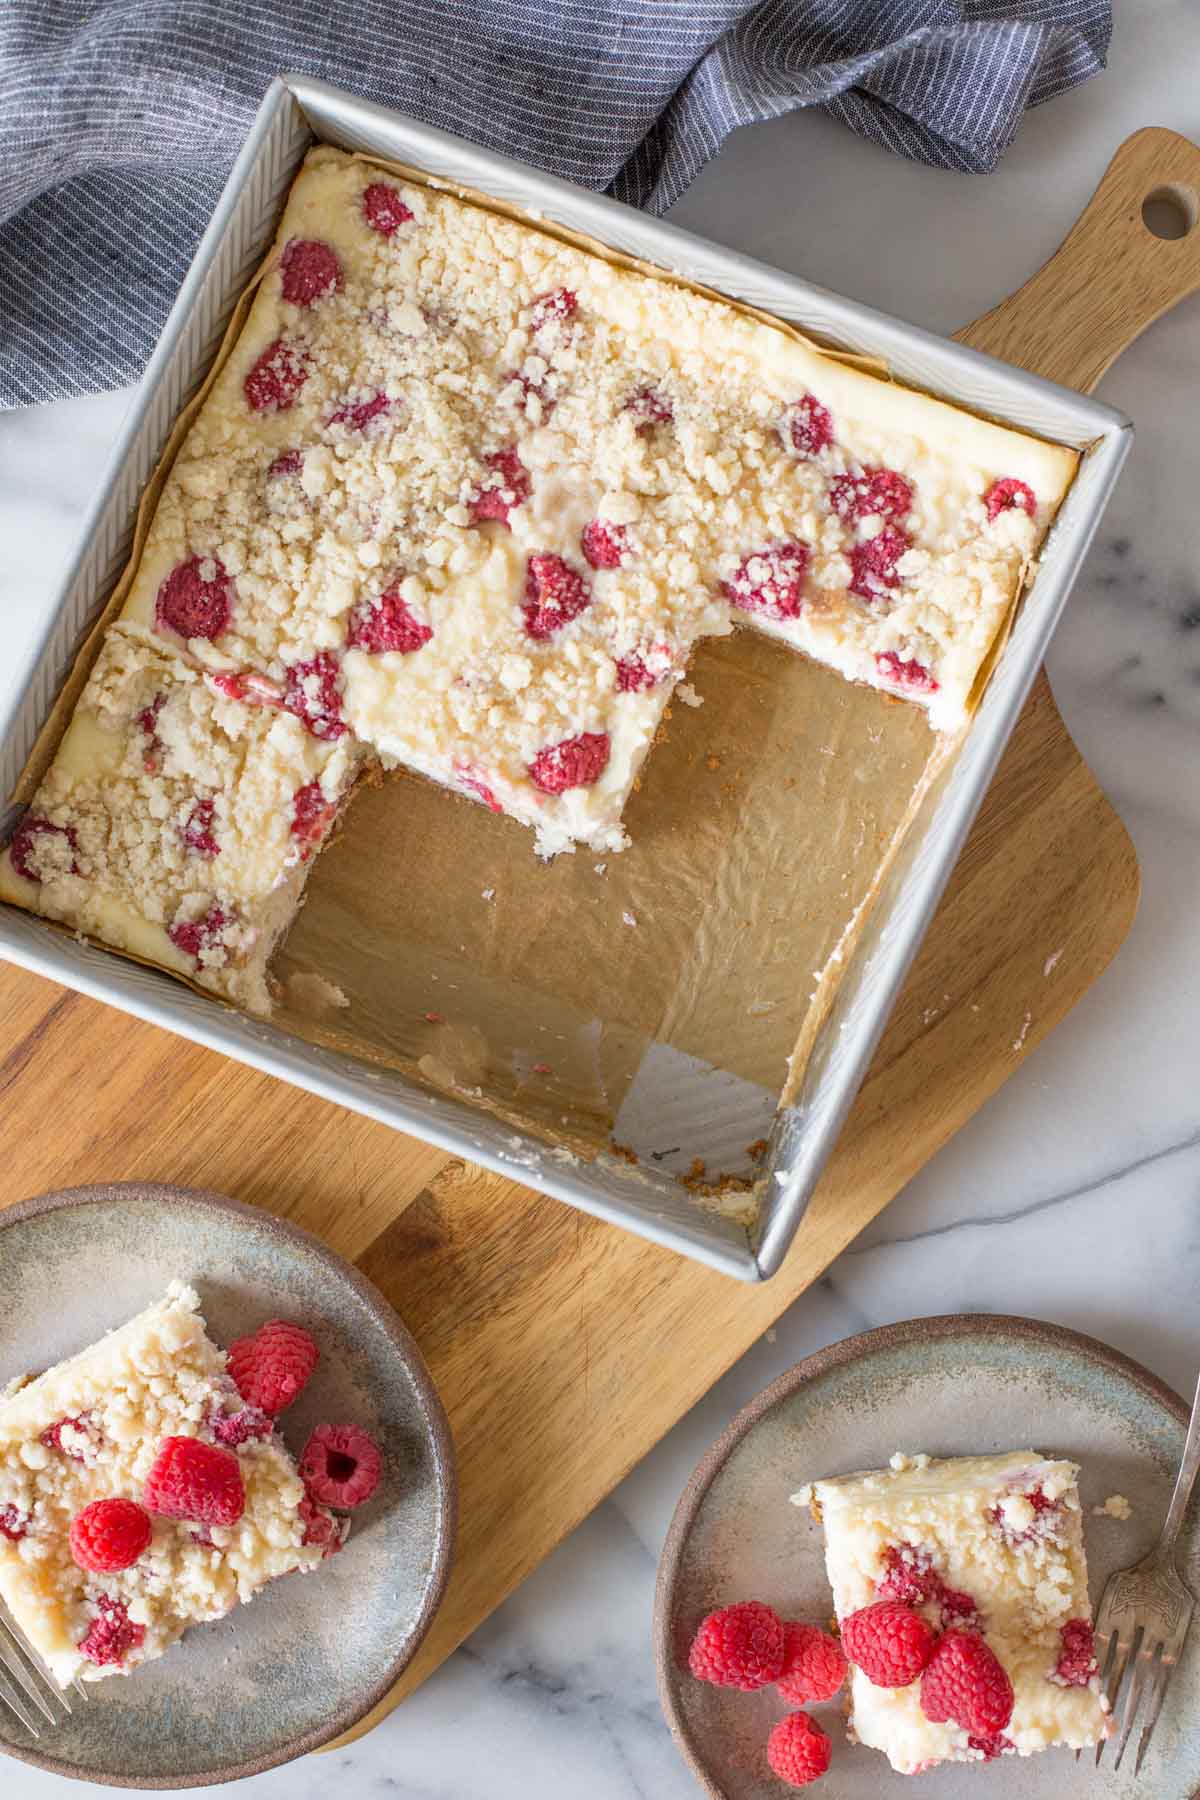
(666,998)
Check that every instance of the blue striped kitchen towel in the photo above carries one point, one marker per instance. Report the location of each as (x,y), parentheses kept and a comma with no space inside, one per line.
(119,119)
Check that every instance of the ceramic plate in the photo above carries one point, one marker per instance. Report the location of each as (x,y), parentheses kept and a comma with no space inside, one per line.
(949,1386)
(311,1656)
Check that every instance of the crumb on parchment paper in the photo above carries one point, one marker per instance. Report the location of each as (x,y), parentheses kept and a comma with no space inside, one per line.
(311,993)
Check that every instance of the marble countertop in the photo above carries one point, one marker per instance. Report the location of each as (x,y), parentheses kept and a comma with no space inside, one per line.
(1073,1195)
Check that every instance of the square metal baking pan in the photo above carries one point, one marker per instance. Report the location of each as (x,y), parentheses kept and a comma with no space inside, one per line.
(295,113)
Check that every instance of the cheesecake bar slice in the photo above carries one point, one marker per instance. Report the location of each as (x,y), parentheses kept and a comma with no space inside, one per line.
(91,1429)
(986,1546)
(177,821)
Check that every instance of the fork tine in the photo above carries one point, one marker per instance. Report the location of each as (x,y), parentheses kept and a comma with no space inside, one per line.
(13,1661)
(1110,1682)
(1142,1660)
(10,1700)
(1153,1708)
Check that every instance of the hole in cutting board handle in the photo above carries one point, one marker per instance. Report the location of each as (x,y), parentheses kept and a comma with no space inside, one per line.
(1171,212)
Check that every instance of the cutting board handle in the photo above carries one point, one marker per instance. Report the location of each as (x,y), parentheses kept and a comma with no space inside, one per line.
(1111,276)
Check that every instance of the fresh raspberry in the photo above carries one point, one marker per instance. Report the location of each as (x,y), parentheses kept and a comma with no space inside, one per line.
(288,462)
(20,847)
(810,426)
(194,935)
(14,1524)
(384,208)
(873,564)
(311,813)
(814,1666)
(239,1427)
(965,1684)
(911,676)
(308,270)
(555,593)
(798,1751)
(991,1746)
(386,624)
(272,1367)
(651,407)
(356,415)
(909,1576)
(340,1466)
(889,1642)
(192,1480)
(770,582)
(198,831)
(1077,1663)
(740,1646)
(604,546)
(553,308)
(196,599)
(502,497)
(875,492)
(110,1534)
(1003,495)
(81,1425)
(320,1526)
(576,762)
(475,784)
(312,693)
(274,383)
(112,1633)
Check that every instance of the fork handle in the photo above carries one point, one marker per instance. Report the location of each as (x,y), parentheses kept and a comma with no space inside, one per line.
(1185,1481)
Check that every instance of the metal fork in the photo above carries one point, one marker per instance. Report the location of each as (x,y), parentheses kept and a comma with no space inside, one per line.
(27,1689)
(1144,1616)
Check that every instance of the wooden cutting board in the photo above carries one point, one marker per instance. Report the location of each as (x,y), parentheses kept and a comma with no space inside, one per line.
(565,1348)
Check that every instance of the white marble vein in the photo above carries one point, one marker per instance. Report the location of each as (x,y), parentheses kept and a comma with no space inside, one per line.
(1073,1196)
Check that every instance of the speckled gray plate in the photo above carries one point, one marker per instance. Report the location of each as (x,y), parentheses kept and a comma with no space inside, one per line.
(310,1656)
(950,1386)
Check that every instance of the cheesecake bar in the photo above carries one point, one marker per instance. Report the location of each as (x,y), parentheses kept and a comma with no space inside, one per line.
(462,499)
(177,821)
(987,1546)
(92,1429)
